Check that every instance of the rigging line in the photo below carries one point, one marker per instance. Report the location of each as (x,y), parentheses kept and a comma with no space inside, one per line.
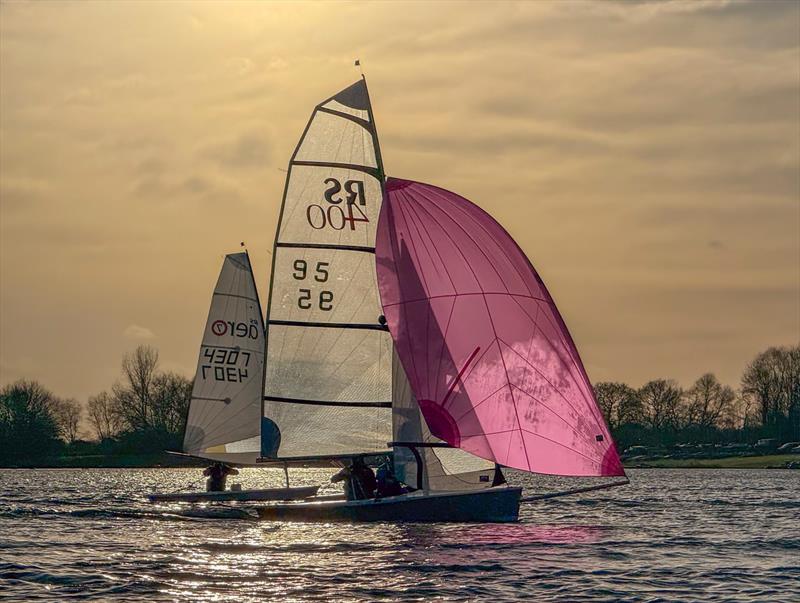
(572,362)
(494,329)
(458,377)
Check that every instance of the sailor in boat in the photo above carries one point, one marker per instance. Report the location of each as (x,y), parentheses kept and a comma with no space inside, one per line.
(217,476)
(359,480)
(387,482)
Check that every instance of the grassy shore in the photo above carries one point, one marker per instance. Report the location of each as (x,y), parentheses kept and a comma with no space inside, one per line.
(730,462)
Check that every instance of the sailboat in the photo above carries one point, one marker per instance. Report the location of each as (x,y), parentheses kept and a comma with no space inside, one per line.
(402,318)
(224,418)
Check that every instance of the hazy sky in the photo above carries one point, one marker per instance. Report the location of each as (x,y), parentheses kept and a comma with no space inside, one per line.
(645,155)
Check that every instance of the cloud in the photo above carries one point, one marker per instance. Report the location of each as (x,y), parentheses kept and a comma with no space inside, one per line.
(626,145)
(137,332)
(247,151)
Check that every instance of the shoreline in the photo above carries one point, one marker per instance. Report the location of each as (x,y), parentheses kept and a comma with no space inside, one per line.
(168,461)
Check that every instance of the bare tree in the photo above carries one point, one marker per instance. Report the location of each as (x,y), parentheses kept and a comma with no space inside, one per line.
(133,398)
(661,402)
(28,426)
(170,397)
(68,417)
(619,403)
(772,382)
(707,401)
(103,416)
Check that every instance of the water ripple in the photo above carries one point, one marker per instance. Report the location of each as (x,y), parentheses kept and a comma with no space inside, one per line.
(672,535)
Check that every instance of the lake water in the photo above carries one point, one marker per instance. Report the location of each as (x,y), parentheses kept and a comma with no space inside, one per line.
(671,535)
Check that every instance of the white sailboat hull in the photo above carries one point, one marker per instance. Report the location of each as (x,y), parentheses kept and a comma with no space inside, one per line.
(297,493)
(498,504)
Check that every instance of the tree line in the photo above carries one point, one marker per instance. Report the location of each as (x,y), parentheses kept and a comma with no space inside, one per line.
(145,411)
(662,413)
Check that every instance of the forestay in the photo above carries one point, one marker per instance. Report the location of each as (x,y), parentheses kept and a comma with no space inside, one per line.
(328,371)
(486,352)
(224,413)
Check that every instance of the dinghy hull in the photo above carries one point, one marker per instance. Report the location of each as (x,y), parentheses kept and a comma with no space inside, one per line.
(297,493)
(494,505)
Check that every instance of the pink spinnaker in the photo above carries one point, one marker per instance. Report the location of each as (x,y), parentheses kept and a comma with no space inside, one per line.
(486,352)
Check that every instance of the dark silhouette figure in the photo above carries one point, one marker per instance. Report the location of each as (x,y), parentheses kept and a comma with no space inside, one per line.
(360,480)
(217,475)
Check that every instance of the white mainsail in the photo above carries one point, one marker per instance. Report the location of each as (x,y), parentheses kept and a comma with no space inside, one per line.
(328,370)
(225,410)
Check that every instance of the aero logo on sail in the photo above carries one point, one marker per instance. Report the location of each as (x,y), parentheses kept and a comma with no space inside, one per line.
(237,329)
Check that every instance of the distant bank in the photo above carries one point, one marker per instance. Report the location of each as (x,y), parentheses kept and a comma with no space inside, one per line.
(731,462)
(109,461)
(137,461)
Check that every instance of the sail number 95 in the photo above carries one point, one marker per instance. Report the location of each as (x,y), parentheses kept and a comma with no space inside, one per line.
(325,298)
(345,202)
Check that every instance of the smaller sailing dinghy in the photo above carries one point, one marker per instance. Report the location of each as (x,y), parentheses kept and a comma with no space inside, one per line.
(224,419)
(421,297)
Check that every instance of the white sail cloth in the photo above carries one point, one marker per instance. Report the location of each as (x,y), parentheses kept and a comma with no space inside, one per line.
(224,413)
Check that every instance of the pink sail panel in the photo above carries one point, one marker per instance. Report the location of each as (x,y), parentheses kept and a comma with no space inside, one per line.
(486,352)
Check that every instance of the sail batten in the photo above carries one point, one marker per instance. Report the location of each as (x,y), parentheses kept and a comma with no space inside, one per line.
(494,368)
